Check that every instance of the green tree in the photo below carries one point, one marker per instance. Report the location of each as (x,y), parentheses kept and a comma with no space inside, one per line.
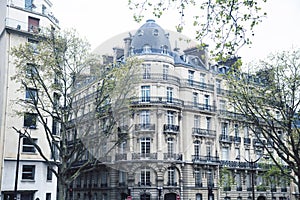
(51,72)
(229,24)
(267,96)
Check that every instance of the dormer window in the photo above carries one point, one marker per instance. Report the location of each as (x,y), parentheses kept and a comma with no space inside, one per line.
(140,32)
(164,49)
(155,32)
(146,48)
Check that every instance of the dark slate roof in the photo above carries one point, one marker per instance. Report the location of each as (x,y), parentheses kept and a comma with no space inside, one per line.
(151,34)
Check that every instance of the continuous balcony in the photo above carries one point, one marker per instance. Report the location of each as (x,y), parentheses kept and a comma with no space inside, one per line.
(199,106)
(226,138)
(149,100)
(141,156)
(203,132)
(171,128)
(160,77)
(144,127)
(232,115)
(172,156)
(198,85)
(205,159)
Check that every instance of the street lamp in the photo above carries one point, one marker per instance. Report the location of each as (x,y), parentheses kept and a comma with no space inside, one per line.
(17,166)
(251,163)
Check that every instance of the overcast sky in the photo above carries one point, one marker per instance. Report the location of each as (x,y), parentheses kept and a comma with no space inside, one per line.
(99,20)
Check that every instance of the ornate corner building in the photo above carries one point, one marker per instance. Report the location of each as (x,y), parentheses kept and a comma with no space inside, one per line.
(183,142)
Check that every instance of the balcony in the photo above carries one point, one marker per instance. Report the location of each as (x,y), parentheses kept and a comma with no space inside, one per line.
(232,115)
(238,164)
(226,138)
(199,106)
(144,183)
(247,141)
(172,156)
(141,156)
(203,132)
(205,159)
(172,184)
(236,139)
(171,128)
(121,156)
(144,127)
(258,143)
(140,101)
(160,77)
(198,85)
(239,188)
(22,26)
(199,184)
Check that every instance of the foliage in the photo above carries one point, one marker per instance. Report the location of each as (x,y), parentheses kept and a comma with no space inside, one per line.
(58,68)
(226,179)
(268,98)
(229,24)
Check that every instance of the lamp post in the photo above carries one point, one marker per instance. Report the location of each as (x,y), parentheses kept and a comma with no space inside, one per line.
(251,163)
(17,168)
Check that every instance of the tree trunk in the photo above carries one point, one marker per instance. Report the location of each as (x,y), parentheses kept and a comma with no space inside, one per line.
(61,189)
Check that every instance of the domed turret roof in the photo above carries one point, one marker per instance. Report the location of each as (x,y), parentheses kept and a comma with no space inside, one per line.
(152,35)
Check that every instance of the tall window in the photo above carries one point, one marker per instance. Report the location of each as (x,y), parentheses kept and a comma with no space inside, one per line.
(238,180)
(222,105)
(170,117)
(197,149)
(49,173)
(248,181)
(195,98)
(33,24)
(218,86)
(55,127)
(202,80)
(30,120)
(198,180)
(208,151)
(31,94)
(236,130)
(198,196)
(28,4)
(123,147)
(224,127)
(237,154)
(247,154)
(171,176)
(28,145)
(104,176)
(145,92)
(28,172)
(191,77)
(170,146)
(146,69)
(169,94)
(165,72)
(208,123)
(206,102)
(196,121)
(145,145)
(145,117)
(145,177)
(246,131)
(122,177)
(225,153)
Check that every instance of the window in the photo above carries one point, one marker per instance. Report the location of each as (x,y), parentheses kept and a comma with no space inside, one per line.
(236,130)
(246,131)
(123,147)
(146,49)
(222,105)
(197,149)
(170,146)
(237,154)
(31,94)
(55,127)
(171,176)
(30,120)
(206,102)
(248,181)
(145,118)
(145,90)
(28,172)
(198,196)
(155,32)
(210,178)
(48,196)
(170,117)
(191,77)
(33,44)
(218,86)
(104,179)
(225,153)
(165,72)
(33,24)
(49,173)
(169,94)
(146,69)
(164,49)
(29,4)
(238,180)
(202,80)
(28,145)
(30,70)
(224,130)
(208,123)
(198,181)
(195,99)
(145,177)
(122,177)
(145,145)
(208,151)
(247,154)
(196,121)
(44,8)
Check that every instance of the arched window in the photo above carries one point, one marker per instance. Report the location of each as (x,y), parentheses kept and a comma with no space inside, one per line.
(146,48)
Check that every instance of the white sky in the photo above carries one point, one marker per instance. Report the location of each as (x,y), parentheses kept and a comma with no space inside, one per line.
(99,20)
